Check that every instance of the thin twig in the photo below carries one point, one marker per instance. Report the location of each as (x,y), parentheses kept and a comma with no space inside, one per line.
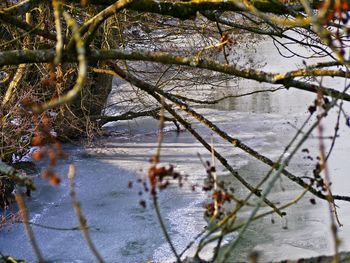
(25,217)
(163,227)
(225,97)
(327,184)
(80,216)
(216,208)
(156,160)
(161,131)
(53,227)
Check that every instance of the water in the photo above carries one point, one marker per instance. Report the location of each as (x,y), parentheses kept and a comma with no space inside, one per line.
(123,231)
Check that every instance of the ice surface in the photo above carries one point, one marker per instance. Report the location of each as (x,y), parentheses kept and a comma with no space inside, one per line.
(125,232)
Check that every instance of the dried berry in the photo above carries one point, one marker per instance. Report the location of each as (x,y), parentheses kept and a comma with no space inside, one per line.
(312,109)
(143,203)
(38,155)
(54,180)
(305,150)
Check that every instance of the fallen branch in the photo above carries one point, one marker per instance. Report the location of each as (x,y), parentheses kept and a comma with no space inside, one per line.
(234,141)
(150,90)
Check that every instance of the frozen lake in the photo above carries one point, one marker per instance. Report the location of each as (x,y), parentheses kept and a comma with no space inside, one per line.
(123,231)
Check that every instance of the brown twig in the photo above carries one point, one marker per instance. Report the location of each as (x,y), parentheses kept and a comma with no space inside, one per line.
(155,161)
(80,216)
(25,217)
(327,184)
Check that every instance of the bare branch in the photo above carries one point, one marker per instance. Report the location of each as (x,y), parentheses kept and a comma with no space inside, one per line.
(286,79)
